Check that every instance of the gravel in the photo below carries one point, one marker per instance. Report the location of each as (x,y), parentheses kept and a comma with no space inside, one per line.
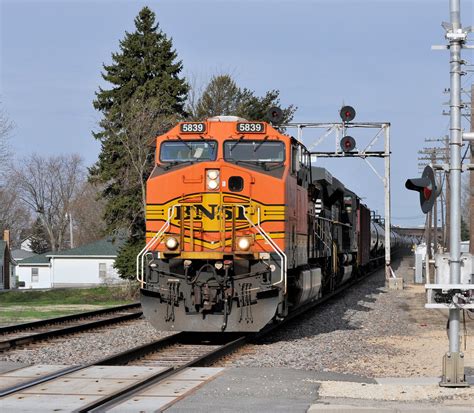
(87,347)
(368,331)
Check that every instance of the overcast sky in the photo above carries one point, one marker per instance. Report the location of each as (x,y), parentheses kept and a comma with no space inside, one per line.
(373,55)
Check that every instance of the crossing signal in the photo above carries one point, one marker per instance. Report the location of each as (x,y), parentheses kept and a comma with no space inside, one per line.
(348,144)
(347,113)
(427,188)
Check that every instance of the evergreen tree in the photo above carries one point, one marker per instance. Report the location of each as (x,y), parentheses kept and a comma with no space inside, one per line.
(39,240)
(464,230)
(222,96)
(146,98)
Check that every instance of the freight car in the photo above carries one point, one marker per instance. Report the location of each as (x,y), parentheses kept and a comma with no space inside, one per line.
(242,230)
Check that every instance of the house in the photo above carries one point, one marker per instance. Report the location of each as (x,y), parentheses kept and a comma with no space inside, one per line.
(34,272)
(7,264)
(88,265)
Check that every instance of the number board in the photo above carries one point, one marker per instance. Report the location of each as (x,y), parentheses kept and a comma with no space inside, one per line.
(250,127)
(192,127)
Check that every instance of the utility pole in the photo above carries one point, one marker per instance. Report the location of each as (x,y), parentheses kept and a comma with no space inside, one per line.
(471,182)
(71,236)
(435,216)
(453,362)
(447,202)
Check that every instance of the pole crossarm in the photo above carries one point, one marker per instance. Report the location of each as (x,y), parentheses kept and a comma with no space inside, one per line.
(369,154)
(339,124)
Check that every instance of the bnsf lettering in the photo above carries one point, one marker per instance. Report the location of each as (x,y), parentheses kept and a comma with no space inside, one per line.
(211,212)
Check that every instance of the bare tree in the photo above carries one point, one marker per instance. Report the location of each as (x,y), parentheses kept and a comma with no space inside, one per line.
(14,216)
(143,121)
(87,212)
(6,127)
(48,185)
(195,92)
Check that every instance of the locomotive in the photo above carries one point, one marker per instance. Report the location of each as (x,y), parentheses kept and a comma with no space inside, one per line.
(242,229)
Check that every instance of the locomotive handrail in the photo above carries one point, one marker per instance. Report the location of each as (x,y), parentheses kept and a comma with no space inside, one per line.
(277,249)
(151,243)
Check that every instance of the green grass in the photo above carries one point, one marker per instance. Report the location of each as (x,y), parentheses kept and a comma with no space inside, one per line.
(97,295)
(27,305)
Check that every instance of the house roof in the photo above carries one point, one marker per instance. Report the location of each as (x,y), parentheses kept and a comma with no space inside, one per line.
(37,259)
(20,254)
(103,248)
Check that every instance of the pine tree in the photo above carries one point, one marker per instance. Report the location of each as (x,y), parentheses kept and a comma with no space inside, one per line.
(39,240)
(147,97)
(464,230)
(222,96)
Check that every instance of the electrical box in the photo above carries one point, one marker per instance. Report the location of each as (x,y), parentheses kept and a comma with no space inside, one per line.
(442,272)
(443,294)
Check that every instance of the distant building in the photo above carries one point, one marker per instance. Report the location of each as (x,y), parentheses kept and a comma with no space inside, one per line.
(7,264)
(34,272)
(89,265)
(25,245)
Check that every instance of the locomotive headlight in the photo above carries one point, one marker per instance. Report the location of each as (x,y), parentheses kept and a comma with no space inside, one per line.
(243,243)
(171,243)
(212,179)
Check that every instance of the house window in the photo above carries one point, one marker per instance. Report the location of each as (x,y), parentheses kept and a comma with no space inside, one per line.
(34,275)
(102,270)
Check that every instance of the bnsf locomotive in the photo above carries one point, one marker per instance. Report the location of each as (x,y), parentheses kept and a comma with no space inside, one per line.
(241,230)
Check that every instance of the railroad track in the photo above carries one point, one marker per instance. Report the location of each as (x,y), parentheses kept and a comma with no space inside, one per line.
(26,333)
(168,357)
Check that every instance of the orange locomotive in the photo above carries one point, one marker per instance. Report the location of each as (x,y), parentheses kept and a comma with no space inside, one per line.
(239,231)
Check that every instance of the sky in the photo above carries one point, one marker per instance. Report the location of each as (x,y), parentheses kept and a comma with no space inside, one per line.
(372,54)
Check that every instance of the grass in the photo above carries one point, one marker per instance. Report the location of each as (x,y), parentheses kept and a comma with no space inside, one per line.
(27,305)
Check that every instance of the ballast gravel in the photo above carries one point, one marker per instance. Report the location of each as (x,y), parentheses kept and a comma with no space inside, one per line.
(368,331)
(87,347)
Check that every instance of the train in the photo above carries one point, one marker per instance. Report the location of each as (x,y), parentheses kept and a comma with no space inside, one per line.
(242,229)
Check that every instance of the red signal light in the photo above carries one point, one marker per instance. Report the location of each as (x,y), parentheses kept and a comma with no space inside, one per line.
(427,188)
(427,191)
(347,143)
(347,113)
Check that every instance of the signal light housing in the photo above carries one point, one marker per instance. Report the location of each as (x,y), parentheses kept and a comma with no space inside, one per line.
(427,188)
(347,113)
(275,115)
(348,144)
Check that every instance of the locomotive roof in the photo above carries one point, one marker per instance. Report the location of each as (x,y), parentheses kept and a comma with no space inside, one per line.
(324,177)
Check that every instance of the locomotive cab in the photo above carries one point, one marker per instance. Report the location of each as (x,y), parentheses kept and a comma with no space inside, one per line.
(215,217)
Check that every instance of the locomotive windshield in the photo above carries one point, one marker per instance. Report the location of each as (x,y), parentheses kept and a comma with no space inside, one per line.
(254,151)
(185,151)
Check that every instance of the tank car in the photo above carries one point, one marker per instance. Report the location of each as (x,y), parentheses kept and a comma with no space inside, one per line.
(241,230)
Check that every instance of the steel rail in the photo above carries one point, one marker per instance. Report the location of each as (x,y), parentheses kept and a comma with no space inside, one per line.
(203,360)
(70,317)
(58,332)
(113,399)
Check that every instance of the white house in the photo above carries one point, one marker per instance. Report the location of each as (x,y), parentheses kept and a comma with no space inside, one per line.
(89,265)
(34,272)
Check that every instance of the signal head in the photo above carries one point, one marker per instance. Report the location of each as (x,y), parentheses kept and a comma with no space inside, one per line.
(347,113)
(427,188)
(275,115)
(348,144)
